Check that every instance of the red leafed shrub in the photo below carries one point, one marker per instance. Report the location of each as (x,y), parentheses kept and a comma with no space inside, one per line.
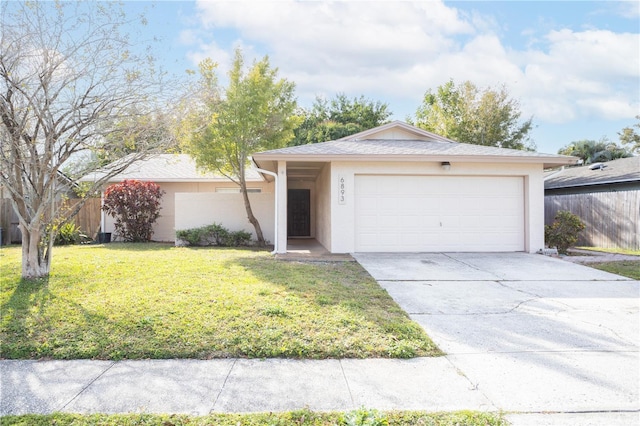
(136,206)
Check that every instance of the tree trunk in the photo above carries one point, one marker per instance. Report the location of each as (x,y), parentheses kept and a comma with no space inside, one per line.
(35,260)
(250,216)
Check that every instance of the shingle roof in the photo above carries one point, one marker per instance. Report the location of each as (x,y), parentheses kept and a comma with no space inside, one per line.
(394,147)
(380,144)
(615,171)
(172,168)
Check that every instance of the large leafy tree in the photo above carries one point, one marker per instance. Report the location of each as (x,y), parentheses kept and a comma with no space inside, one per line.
(629,136)
(591,151)
(69,78)
(468,114)
(329,120)
(254,112)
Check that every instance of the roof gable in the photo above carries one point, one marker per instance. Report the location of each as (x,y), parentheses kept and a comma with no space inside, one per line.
(396,130)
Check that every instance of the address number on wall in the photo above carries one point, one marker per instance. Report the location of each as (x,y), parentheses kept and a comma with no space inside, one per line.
(341,190)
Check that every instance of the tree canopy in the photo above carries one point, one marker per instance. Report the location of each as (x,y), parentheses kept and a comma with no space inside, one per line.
(254,112)
(329,120)
(70,80)
(467,114)
(630,137)
(591,151)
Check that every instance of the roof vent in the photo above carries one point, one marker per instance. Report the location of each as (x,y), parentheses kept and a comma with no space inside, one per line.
(597,166)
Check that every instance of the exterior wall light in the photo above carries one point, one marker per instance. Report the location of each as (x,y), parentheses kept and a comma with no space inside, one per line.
(445,165)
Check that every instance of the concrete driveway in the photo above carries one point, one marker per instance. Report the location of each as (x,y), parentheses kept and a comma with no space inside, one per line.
(532,333)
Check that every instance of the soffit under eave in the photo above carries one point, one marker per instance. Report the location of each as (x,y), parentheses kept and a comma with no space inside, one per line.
(269,162)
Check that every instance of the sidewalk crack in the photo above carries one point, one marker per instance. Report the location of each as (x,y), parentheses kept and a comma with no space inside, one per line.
(473,386)
(88,385)
(344,375)
(215,401)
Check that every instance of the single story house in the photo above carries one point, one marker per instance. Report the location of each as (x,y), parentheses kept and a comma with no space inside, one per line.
(394,188)
(398,188)
(606,196)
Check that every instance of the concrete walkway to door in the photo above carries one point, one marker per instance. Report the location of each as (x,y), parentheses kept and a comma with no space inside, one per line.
(533,334)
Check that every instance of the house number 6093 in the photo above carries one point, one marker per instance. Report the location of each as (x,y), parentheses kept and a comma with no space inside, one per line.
(341,190)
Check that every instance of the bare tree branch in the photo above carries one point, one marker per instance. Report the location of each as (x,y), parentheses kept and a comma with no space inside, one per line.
(72,85)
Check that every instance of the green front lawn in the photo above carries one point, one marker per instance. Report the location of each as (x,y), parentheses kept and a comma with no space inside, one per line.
(301,418)
(609,250)
(137,301)
(626,268)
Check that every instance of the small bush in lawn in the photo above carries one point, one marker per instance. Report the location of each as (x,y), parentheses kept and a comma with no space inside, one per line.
(563,232)
(214,235)
(136,206)
(69,233)
(66,234)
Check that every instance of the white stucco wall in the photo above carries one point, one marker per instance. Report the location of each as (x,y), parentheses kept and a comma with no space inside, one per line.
(323,206)
(342,234)
(206,208)
(164,228)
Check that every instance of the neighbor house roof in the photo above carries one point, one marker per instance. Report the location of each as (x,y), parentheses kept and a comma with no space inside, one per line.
(414,145)
(170,168)
(622,170)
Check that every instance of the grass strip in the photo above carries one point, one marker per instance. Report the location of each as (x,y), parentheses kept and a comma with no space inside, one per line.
(626,268)
(612,250)
(301,418)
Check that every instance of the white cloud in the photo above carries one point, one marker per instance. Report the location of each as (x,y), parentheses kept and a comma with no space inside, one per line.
(395,51)
(339,36)
(629,9)
(591,74)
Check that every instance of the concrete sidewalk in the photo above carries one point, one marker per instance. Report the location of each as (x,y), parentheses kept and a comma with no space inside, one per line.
(200,387)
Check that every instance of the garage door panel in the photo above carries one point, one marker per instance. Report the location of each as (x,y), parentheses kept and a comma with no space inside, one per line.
(435,213)
(368,222)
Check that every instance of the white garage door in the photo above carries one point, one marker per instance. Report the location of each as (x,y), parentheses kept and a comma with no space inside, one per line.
(435,213)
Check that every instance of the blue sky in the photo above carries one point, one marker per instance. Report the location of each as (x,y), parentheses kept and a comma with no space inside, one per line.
(573,66)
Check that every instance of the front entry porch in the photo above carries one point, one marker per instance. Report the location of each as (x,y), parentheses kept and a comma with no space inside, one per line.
(310,250)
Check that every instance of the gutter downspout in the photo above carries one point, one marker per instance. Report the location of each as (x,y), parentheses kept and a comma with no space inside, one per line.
(102,213)
(275,184)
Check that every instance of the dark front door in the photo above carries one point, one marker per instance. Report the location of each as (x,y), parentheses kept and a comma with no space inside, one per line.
(298,213)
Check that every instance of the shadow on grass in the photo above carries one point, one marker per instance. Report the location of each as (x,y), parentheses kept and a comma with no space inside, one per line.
(342,290)
(27,300)
(124,246)
(36,323)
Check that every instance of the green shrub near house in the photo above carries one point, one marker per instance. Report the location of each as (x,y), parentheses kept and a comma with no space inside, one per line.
(563,232)
(214,235)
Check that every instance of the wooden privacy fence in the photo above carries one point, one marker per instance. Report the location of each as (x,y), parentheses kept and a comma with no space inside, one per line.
(612,219)
(88,219)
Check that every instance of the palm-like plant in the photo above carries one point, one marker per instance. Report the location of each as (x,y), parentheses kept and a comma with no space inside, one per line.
(591,151)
